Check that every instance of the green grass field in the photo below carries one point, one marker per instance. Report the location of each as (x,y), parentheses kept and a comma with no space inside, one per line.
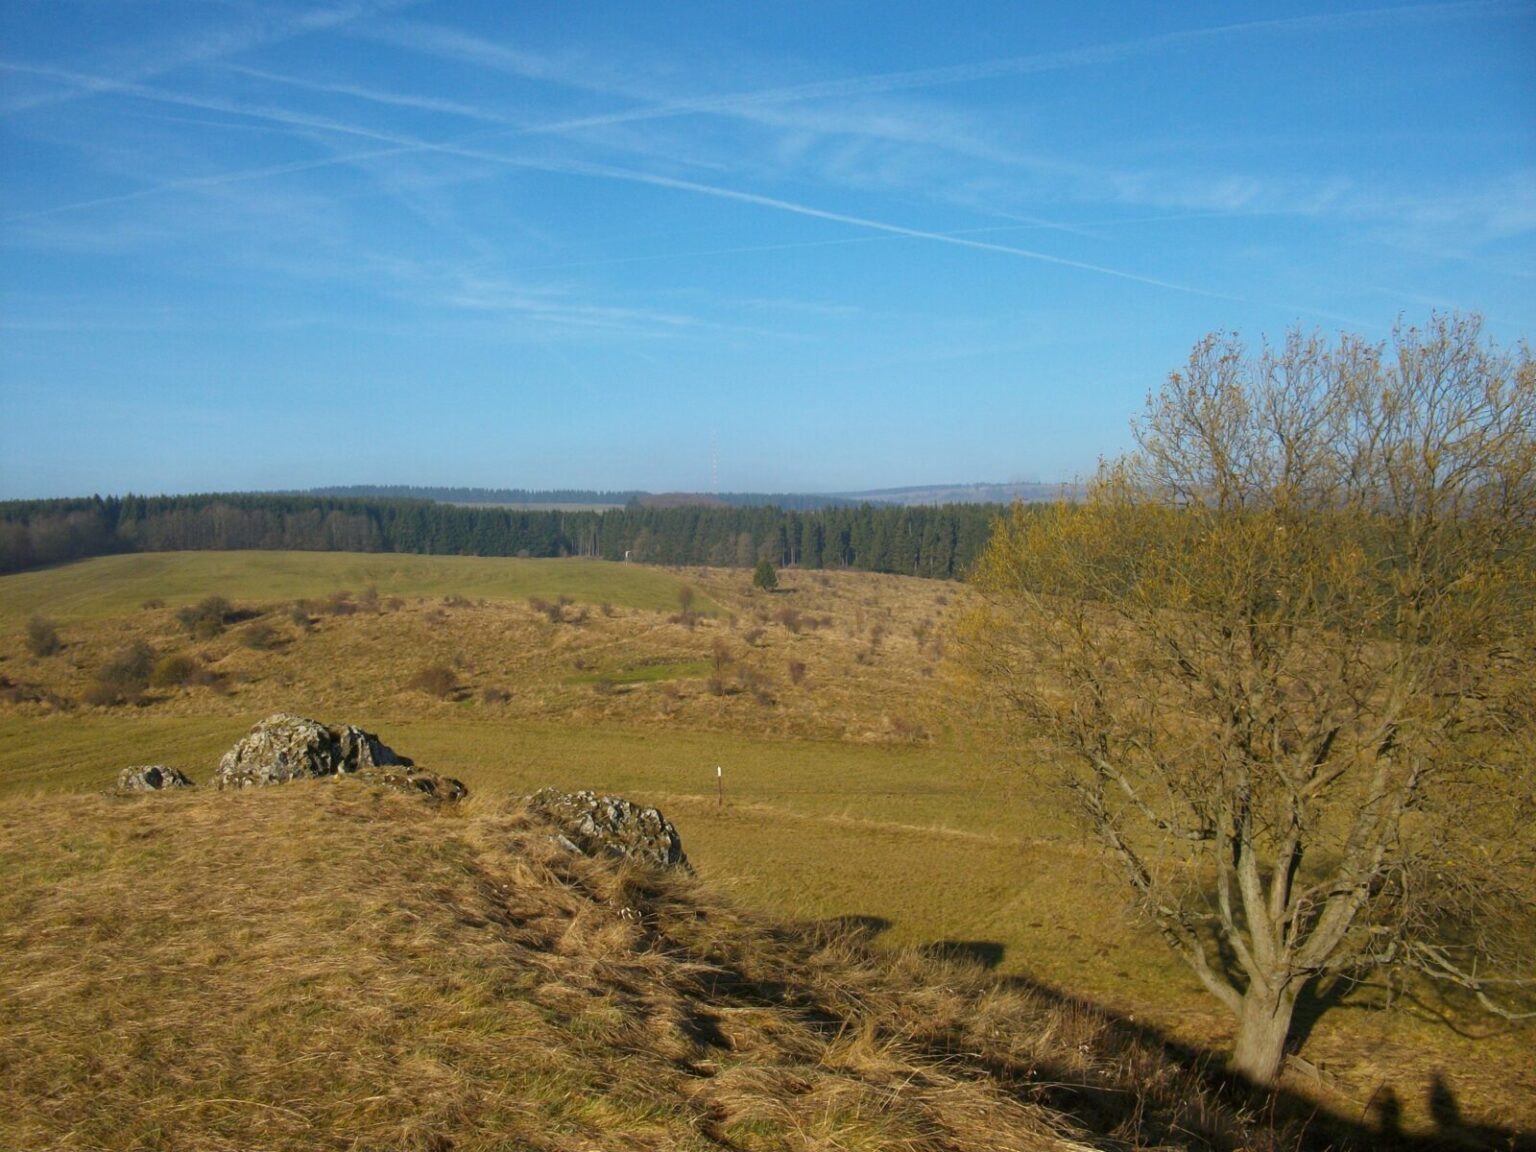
(833,808)
(115,585)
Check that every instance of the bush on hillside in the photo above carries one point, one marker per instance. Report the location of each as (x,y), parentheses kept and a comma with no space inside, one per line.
(122,679)
(436,680)
(173,671)
(42,637)
(260,636)
(764,577)
(207,618)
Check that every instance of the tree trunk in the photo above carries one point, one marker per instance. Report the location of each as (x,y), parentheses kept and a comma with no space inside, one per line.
(1263,1026)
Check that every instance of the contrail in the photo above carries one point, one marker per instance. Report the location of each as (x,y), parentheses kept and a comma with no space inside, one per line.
(194,182)
(214,46)
(814,213)
(403,144)
(450,43)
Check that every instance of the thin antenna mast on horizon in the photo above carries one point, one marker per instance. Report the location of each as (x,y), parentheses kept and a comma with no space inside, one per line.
(714,463)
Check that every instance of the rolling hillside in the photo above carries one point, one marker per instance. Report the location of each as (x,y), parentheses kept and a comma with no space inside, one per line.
(858,788)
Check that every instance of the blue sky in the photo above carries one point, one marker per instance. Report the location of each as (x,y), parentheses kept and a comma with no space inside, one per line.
(842,245)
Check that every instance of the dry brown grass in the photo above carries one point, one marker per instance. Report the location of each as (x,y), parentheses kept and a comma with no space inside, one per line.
(370,661)
(326,966)
(851,788)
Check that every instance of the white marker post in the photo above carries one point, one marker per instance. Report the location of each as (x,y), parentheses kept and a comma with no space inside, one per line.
(720,785)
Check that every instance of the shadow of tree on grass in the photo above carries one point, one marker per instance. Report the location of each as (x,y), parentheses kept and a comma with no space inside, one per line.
(1288,1118)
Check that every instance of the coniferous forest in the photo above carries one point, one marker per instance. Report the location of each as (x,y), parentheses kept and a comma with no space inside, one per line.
(937,542)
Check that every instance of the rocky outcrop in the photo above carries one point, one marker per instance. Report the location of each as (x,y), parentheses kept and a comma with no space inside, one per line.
(151,778)
(284,747)
(610,826)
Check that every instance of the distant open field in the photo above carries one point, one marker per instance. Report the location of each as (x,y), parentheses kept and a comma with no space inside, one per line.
(857,783)
(109,585)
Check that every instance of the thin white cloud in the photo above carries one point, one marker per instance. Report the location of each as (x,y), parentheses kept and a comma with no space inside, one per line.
(827,108)
(379,96)
(458,46)
(798,209)
(1232,197)
(207,103)
(156,60)
(403,143)
(195,183)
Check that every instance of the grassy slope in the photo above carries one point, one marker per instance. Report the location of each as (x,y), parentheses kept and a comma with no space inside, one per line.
(323,966)
(112,585)
(851,793)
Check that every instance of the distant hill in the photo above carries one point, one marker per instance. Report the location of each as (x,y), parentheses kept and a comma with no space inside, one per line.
(1027,492)
(518,497)
(788,501)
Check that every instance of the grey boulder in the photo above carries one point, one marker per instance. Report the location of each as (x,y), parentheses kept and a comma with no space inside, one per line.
(610,826)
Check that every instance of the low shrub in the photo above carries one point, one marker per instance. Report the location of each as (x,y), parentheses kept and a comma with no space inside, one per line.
(341,604)
(13,693)
(42,637)
(554,613)
(260,636)
(122,679)
(436,680)
(100,694)
(492,695)
(207,678)
(207,618)
(797,672)
(760,684)
(173,671)
(132,664)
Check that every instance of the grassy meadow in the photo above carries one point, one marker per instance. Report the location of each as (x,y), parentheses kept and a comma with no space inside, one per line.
(858,784)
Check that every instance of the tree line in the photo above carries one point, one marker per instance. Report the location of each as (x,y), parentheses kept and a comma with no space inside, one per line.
(790,501)
(937,542)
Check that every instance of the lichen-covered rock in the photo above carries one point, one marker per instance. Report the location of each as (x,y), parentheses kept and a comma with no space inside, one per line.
(611,826)
(151,778)
(284,747)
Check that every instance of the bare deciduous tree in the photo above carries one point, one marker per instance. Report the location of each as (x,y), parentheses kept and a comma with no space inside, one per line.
(1281,651)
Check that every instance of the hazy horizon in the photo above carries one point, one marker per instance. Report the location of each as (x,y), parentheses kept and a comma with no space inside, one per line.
(806,249)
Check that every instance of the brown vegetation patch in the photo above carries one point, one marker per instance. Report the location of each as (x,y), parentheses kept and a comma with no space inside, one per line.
(478,987)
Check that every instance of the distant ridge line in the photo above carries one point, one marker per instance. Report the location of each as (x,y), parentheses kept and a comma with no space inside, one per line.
(1028,492)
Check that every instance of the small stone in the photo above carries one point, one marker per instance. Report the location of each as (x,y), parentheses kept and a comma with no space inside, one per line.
(151,778)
